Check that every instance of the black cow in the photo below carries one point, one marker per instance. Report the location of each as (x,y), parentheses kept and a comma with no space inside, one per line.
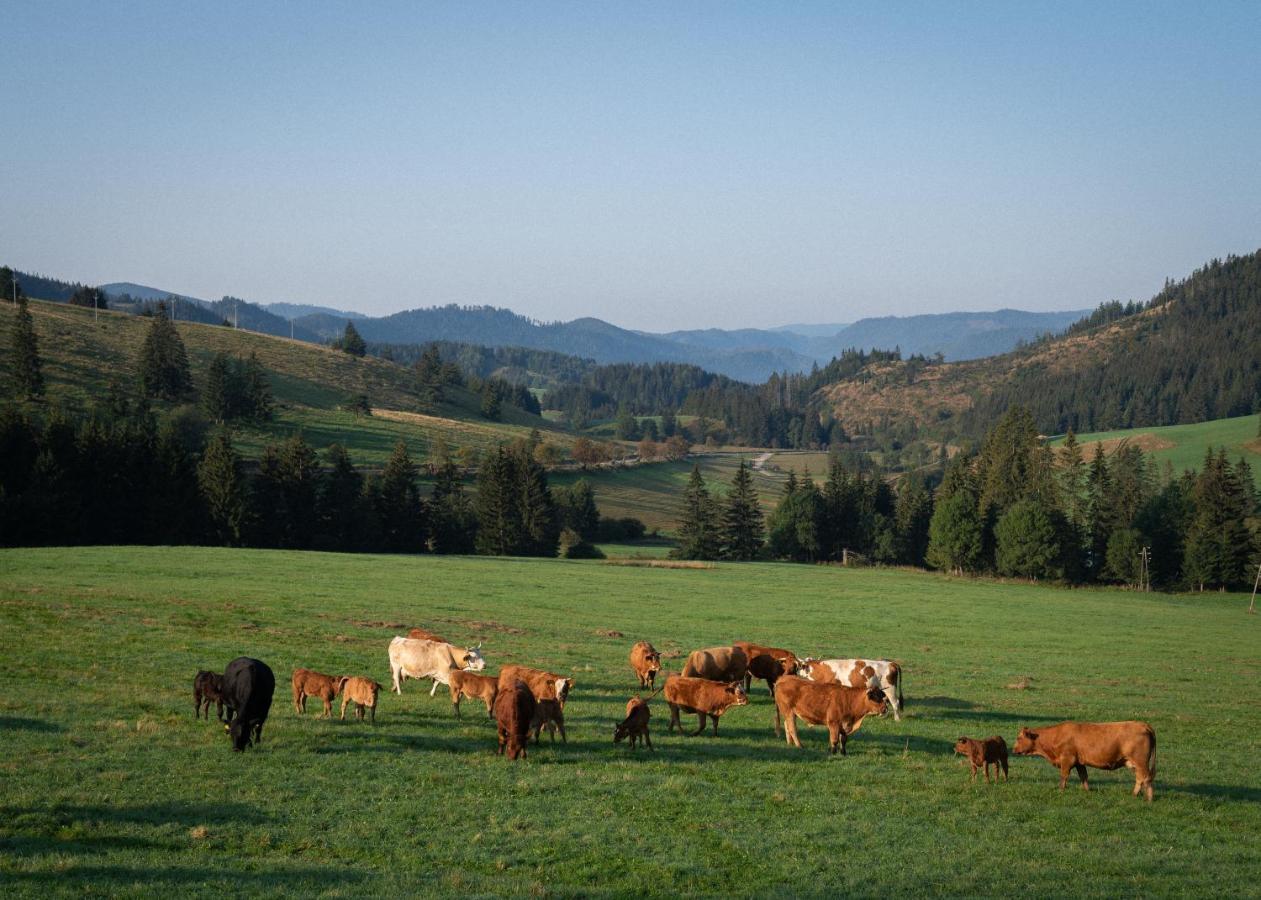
(207,689)
(248,685)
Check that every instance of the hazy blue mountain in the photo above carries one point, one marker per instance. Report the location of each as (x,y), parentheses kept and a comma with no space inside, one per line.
(812,330)
(956,335)
(144,292)
(298,310)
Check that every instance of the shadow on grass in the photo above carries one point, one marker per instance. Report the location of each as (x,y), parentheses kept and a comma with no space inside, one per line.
(171,813)
(20,723)
(235,882)
(945,703)
(1217,791)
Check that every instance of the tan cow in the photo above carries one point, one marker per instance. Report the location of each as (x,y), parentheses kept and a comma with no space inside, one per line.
(363,693)
(543,685)
(839,707)
(717,664)
(410,658)
(307,683)
(1100,745)
(470,684)
(768,663)
(703,697)
(646,662)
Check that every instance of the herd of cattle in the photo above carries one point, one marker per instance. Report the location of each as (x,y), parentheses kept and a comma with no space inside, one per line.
(523,701)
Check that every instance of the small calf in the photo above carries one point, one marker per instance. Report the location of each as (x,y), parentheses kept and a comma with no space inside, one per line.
(514,710)
(635,725)
(470,684)
(363,693)
(424,634)
(207,689)
(315,684)
(548,714)
(982,753)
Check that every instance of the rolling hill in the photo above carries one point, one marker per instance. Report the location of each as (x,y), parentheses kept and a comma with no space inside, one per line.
(311,384)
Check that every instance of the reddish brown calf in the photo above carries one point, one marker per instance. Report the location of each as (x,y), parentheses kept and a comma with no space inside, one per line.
(986,751)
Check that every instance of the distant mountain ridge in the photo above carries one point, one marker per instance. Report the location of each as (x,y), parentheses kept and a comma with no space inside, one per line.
(746,354)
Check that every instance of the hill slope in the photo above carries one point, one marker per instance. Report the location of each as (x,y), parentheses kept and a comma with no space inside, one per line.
(311,383)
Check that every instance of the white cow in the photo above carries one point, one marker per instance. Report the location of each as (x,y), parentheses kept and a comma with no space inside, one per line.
(412,658)
(881,673)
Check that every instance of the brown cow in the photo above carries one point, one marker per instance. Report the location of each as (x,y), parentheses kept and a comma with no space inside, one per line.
(424,634)
(315,684)
(703,697)
(1100,745)
(514,709)
(646,662)
(548,714)
(841,708)
(207,689)
(768,663)
(470,684)
(363,693)
(982,753)
(543,685)
(717,664)
(635,725)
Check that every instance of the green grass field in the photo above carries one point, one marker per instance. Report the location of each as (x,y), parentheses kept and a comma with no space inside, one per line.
(111,787)
(1183,446)
(652,492)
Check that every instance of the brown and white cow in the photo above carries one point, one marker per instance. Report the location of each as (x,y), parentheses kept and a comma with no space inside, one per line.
(646,662)
(410,658)
(840,707)
(717,664)
(882,673)
(1100,745)
(703,697)
(768,663)
(543,685)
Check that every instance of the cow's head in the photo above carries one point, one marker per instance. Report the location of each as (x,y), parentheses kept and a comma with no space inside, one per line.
(472,660)
(736,689)
(806,666)
(964,746)
(1026,742)
(877,703)
(789,665)
(652,662)
(622,729)
(563,687)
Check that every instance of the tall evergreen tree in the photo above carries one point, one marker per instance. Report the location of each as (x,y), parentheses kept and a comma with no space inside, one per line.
(577,509)
(452,519)
(351,342)
(256,389)
(698,521)
(28,377)
(793,529)
(298,482)
(163,362)
(492,403)
(956,539)
(539,526)
(400,514)
(217,393)
(1027,541)
(912,517)
(339,507)
(499,530)
(742,528)
(223,489)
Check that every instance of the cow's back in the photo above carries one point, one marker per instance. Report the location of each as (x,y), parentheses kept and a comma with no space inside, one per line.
(1103,745)
(249,685)
(717,664)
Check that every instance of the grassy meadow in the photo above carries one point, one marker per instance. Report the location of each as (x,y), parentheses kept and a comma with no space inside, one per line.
(111,786)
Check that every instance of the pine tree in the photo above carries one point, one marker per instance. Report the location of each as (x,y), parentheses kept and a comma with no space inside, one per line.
(626,427)
(955,534)
(492,405)
(28,376)
(163,363)
(266,521)
(498,506)
(299,481)
(539,526)
(577,509)
(351,342)
(216,394)
(912,517)
(793,528)
(452,519)
(429,376)
(698,522)
(339,509)
(1028,541)
(223,489)
(175,510)
(400,514)
(1072,478)
(1124,561)
(256,400)
(670,424)
(742,529)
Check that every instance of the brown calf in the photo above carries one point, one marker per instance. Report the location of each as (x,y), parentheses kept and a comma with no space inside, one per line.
(635,725)
(543,685)
(514,710)
(470,684)
(703,697)
(315,684)
(982,753)
(207,689)
(646,662)
(424,634)
(550,715)
(363,693)
(768,663)
(841,708)
(717,664)
(1100,745)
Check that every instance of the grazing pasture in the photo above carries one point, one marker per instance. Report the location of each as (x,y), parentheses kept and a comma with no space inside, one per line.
(111,785)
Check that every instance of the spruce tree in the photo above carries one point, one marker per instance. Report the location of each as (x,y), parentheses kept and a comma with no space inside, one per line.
(670,424)
(1028,541)
(351,342)
(498,505)
(492,404)
(912,517)
(793,527)
(299,482)
(742,528)
(223,489)
(256,396)
(216,393)
(452,520)
(698,521)
(539,526)
(577,509)
(339,507)
(400,512)
(955,534)
(163,362)
(28,376)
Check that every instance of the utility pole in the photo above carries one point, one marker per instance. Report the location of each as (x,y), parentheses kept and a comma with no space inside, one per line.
(14,276)
(1145,572)
(236,314)
(1252,606)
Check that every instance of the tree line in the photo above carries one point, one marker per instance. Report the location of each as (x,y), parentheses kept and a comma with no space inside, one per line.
(1016,508)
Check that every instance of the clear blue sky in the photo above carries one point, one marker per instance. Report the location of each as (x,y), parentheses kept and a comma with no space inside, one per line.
(657,165)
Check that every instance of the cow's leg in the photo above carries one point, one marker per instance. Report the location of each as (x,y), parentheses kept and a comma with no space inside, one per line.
(648,740)
(433,690)
(701,727)
(1065,768)
(890,693)
(987,771)
(844,738)
(973,765)
(715,718)
(674,719)
(563,738)
(790,730)
(834,737)
(345,700)
(394,674)
(218,710)
(1081,773)
(328,707)
(1003,763)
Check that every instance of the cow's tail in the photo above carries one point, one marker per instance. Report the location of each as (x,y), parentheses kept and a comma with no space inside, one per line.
(901,702)
(1151,759)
